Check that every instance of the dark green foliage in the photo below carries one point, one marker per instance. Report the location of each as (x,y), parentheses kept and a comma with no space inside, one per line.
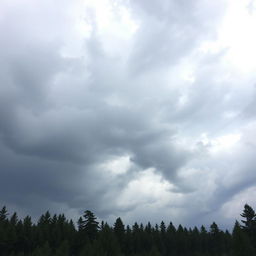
(249,222)
(3,214)
(241,245)
(249,215)
(108,241)
(119,228)
(54,235)
(63,249)
(89,226)
(119,231)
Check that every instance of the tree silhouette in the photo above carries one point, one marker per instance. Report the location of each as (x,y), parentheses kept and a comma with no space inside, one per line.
(55,235)
(249,215)
(89,225)
(241,245)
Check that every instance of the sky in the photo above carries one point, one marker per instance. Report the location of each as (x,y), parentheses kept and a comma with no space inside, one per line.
(142,109)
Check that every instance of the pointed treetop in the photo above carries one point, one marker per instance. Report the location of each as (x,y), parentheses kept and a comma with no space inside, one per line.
(3,214)
(249,216)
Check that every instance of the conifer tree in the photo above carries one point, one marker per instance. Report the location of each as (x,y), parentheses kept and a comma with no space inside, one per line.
(162,227)
(119,231)
(89,225)
(249,215)
(241,245)
(109,242)
(14,219)
(119,227)
(3,214)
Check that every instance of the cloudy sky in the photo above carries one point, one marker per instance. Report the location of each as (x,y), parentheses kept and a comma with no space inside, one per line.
(143,109)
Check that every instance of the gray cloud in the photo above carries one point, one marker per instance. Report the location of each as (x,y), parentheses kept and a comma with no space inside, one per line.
(169,31)
(67,114)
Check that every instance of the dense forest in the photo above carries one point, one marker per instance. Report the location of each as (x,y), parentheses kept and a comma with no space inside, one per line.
(55,235)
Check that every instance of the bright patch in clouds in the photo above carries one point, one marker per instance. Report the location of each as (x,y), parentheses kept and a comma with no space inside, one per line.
(237,34)
(237,37)
(147,188)
(224,143)
(112,23)
(117,166)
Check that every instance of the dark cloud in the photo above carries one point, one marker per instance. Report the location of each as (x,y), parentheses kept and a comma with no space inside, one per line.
(85,127)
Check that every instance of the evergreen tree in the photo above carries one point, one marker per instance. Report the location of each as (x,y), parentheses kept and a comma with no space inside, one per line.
(136,241)
(162,228)
(148,228)
(128,243)
(215,239)
(119,231)
(119,228)
(89,225)
(241,245)
(80,224)
(3,214)
(249,222)
(249,215)
(14,219)
(170,240)
(44,229)
(4,223)
(26,233)
(109,242)
(57,236)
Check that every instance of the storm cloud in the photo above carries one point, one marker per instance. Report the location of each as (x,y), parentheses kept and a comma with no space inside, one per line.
(138,109)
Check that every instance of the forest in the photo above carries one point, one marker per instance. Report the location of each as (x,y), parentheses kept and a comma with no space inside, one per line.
(55,235)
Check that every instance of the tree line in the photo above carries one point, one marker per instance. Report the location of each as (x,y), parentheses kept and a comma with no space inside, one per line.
(55,235)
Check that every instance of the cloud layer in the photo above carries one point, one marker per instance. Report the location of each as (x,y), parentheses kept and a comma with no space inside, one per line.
(138,109)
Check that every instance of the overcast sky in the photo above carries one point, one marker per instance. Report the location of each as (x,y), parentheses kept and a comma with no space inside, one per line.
(143,109)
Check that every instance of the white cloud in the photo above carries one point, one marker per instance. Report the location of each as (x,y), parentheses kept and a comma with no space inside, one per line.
(233,208)
(119,165)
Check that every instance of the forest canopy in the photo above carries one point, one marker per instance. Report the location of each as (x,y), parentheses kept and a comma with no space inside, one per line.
(55,235)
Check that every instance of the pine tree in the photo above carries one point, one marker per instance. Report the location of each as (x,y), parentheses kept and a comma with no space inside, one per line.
(119,227)
(43,229)
(241,245)
(4,224)
(3,214)
(89,225)
(14,219)
(119,231)
(162,227)
(80,224)
(171,242)
(215,239)
(148,228)
(249,215)
(109,242)
(26,231)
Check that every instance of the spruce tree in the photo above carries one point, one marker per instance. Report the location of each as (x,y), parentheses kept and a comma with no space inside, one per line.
(89,225)
(241,245)
(3,214)
(249,222)
(119,231)
(249,215)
